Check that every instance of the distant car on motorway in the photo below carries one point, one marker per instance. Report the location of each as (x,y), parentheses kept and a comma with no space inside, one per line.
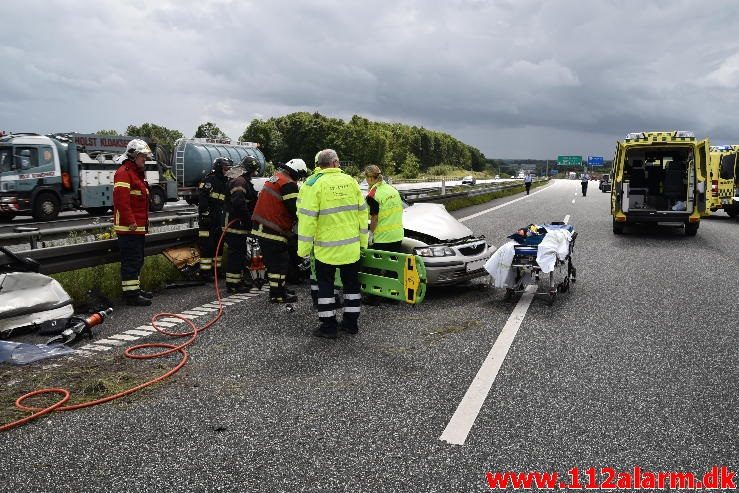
(469,180)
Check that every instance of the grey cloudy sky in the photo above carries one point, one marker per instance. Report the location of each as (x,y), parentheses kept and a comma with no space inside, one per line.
(515,78)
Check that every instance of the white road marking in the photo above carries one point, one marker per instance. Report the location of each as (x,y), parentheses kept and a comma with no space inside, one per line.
(147,328)
(206,309)
(110,342)
(464,417)
(142,333)
(197,313)
(165,324)
(171,319)
(124,337)
(573,201)
(93,347)
(477,214)
(188,316)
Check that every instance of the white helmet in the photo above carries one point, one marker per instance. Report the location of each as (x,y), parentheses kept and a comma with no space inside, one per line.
(138,146)
(296,168)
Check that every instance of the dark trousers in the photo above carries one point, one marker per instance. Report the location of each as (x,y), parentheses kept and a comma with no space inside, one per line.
(277,260)
(395,246)
(132,259)
(207,243)
(236,259)
(584,188)
(349,274)
(528,187)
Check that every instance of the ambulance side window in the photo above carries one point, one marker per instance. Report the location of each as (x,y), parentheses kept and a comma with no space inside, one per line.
(727,166)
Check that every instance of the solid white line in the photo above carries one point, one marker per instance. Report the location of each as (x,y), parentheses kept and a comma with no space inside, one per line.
(567,219)
(464,417)
(477,214)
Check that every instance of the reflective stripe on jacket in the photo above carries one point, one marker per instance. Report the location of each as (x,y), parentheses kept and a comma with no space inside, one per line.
(130,200)
(332,218)
(389,227)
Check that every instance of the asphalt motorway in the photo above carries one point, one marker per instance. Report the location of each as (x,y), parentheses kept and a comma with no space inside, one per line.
(635,367)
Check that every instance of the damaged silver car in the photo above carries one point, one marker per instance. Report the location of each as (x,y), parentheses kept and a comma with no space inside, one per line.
(450,250)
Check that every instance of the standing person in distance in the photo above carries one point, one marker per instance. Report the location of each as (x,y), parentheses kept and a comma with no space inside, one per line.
(332,221)
(385,212)
(527,181)
(240,205)
(131,219)
(275,215)
(584,179)
(211,204)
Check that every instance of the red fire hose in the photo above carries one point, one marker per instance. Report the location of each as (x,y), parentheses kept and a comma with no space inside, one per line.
(130,352)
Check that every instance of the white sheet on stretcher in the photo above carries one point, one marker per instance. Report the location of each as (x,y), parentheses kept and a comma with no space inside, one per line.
(555,245)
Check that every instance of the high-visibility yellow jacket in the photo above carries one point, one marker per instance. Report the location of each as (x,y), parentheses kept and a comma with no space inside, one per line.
(389,227)
(332,218)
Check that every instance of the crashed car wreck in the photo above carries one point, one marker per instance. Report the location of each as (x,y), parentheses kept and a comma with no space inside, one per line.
(450,250)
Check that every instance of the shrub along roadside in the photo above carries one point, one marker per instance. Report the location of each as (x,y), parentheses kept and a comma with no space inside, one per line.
(106,278)
(462,202)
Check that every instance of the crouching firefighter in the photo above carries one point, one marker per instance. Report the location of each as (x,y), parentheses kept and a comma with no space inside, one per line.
(240,206)
(211,203)
(131,219)
(273,220)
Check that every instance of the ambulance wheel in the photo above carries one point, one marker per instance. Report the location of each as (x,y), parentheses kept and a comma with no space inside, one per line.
(156,199)
(618,227)
(691,229)
(46,207)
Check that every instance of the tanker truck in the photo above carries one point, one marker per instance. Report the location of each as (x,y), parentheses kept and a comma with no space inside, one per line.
(192,160)
(42,175)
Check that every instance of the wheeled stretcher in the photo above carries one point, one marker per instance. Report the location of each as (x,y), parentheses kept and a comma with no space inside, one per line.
(527,271)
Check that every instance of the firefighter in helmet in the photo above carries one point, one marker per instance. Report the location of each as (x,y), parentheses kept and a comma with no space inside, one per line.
(211,197)
(131,219)
(274,217)
(240,206)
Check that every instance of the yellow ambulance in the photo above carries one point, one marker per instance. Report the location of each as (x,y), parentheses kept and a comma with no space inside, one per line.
(659,177)
(722,176)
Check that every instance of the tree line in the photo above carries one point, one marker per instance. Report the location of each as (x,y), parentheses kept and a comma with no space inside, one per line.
(395,147)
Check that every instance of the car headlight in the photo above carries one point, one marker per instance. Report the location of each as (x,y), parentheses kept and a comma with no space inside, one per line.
(434,251)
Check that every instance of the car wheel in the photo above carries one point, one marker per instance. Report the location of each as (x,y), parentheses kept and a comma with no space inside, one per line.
(46,207)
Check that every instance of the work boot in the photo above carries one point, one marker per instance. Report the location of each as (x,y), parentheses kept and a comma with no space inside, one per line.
(319,332)
(286,298)
(349,328)
(138,300)
(146,294)
(239,288)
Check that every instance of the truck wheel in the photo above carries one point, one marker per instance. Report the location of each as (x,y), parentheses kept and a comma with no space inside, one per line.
(691,229)
(618,227)
(156,199)
(46,207)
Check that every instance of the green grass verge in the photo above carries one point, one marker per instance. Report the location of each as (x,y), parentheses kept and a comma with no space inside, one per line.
(106,278)
(462,202)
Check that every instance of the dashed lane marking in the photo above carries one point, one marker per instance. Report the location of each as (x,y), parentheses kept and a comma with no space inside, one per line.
(141,333)
(567,219)
(110,342)
(124,337)
(94,347)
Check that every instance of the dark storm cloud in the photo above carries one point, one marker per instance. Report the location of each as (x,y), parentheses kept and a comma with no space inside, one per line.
(515,78)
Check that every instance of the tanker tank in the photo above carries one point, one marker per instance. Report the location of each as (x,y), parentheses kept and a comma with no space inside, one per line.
(193,158)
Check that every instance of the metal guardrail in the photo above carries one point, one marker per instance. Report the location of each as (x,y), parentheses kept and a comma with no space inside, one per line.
(72,257)
(34,235)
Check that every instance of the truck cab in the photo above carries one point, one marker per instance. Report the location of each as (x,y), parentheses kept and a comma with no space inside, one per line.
(660,177)
(722,175)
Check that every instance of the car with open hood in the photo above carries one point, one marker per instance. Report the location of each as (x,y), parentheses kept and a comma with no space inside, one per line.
(451,251)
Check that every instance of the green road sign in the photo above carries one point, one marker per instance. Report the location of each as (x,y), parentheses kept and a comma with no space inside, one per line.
(569,160)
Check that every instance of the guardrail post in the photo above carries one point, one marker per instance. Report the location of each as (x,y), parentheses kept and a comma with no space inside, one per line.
(443,186)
